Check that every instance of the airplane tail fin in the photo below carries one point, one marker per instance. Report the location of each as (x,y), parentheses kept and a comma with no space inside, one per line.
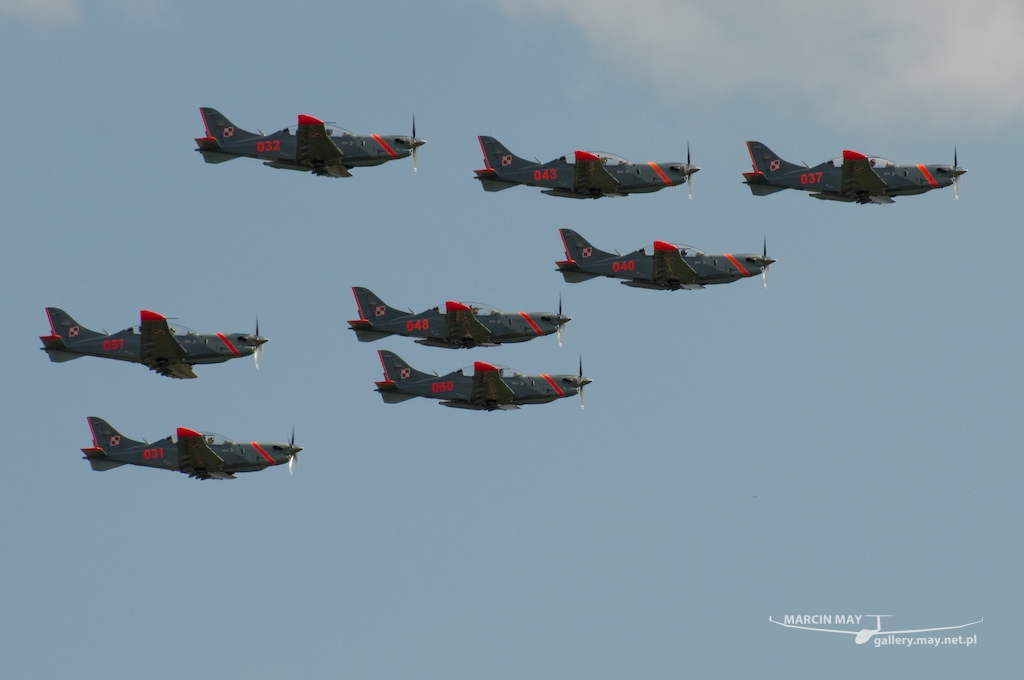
(498,158)
(65,330)
(219,130)
(372,308)
(579,249)
(106,440)
(767,161)
(396,373)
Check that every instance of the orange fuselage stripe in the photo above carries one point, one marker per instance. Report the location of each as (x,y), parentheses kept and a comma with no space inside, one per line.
(385,145)
(553,384)
(738,265)
(927,175)
(531,322)
(661,173)
(263,453)
(228,343)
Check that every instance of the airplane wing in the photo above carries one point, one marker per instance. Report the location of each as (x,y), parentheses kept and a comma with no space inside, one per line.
(928,630)
(858,175)
(314,145)
(195,457)
(488,387)
(590,175)
(669,265)
(461,324)
(161,351)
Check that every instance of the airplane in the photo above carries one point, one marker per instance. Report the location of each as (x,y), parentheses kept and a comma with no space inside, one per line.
(670,267)
(311,146)
(168,351)
(866,634)
(852,177)
(581,174)
(489,388)
(460,325)
(198,454)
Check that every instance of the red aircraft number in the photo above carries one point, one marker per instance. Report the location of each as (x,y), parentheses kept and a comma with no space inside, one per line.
(811,178)
(116,343)
(269,145)
(417,325)
(627,266)
(442,387)
(547,173)
(152,454)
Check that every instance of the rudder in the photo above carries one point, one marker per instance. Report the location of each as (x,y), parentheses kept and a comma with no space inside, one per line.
(372,308)
(579,249)
(767,161)
(498,158)
(219,128)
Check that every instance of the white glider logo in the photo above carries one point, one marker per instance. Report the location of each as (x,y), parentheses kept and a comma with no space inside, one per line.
(866,634)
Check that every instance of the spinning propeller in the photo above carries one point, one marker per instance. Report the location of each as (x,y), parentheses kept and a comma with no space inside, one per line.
(259,347)
(689,175)
(293,459)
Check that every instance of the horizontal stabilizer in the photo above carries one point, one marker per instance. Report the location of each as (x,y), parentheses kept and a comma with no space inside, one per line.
(216,156)
(59,357)
(369,336)
(576,277)
(104,464)
(494,185)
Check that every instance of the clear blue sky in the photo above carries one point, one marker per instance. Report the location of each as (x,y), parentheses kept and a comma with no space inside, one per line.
(846,441)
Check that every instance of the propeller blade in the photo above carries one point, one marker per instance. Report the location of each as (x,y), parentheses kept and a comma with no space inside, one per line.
(689,176)
(414,168)
(581,383)
(764,254)
(561,326)
(291,441)
(291,463)
(256,354)
(956,179)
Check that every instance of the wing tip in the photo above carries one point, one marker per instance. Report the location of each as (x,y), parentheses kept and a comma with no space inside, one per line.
(309,120)
(480,367)
(186,433)
(148,315)
(849,155)
(452,306)
(662,245)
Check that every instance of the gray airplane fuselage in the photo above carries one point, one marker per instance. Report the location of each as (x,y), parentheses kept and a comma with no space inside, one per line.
(279,149)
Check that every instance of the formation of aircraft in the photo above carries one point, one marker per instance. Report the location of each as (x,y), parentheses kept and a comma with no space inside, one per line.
(852,177)
(168,351)
(199,455)
(310,146)
(489,388)
(668,267)
(581,174)
(460,325)
(324,149)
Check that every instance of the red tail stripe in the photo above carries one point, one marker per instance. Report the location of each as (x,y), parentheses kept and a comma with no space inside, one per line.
(263,453)
(484,152)
(358,306)
(661,173)
(381,357)
(228,343)
(553,384)
(385,145)
(531,322)
(738,265)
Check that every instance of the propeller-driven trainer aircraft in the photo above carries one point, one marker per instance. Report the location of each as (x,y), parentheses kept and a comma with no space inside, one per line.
(670,267)
(168,351)
(459,325)
(310,146)
(852,178)
(581,174)
(199,455)
(489,388)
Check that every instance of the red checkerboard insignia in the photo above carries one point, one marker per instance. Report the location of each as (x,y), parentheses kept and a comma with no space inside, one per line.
(115,440)
(506,160)
(73,332)
(405,373)
(774,165)
(587,252)
(229,132)
(380,310)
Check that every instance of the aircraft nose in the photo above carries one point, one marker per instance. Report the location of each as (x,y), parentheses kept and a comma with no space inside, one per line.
(259,340)
(584,380)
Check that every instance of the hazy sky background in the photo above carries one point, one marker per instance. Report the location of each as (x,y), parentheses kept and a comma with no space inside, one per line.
(846,441)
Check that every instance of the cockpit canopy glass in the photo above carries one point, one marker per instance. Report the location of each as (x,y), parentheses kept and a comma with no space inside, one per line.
(176,328)
(684,250)
(332,130)
(214,439)
(873,161)
(503,371)
(606,158)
